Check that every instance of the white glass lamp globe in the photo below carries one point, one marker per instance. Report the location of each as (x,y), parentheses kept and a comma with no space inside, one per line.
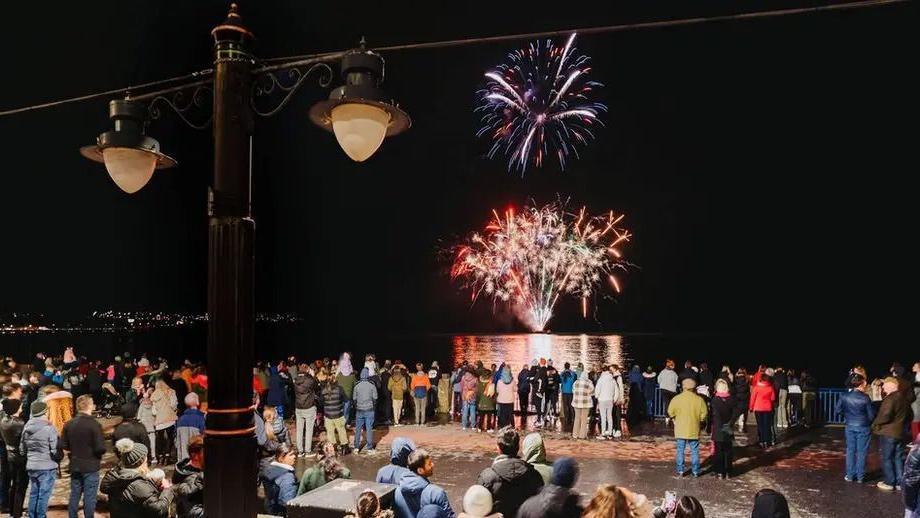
(359,128)
(129,168)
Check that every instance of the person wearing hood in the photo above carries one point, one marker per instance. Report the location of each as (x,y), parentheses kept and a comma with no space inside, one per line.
(557,499)
(280,482)
(415,491)
(533,451)
(509,479)
(504,397)
(485,401)
(770,504)
(399,461)
(39,446)
(131,489)
(365,404)
(637,406)
(188,479)
(606,393)
(345,377)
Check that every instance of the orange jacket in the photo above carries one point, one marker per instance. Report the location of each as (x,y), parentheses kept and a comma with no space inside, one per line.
(420,380)
(762,397)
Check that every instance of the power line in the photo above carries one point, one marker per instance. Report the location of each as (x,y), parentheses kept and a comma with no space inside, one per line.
(282,62)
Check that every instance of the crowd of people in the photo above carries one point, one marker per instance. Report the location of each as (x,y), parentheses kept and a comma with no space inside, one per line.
(50,409)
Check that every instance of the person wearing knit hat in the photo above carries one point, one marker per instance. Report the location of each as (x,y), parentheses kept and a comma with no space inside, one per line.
(15,474)
(556,499)
(131,454)
(11,406)
(477,503)
(38,409)
(39,445)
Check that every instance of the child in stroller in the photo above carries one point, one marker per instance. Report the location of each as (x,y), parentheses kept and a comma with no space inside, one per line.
(111,402)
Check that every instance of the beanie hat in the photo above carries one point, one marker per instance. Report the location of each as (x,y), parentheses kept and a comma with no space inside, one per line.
(11,406)
(477,501)
(129,410)
(565,472)
(132,454)
(39,408)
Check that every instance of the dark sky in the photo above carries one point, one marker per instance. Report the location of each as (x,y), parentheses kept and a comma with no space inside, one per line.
(764,167)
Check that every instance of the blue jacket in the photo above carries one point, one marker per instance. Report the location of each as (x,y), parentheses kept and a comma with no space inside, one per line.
(280,487)
(399,458)
(415,492)
(856,408)
(39,444)
(192,418)
(567,382)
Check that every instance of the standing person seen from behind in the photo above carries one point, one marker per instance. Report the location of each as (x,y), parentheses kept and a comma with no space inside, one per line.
(509,479)
(82,441)
(39,445)
(761,403)
(688,410)
(858,414)
(667,384)
(889,427)
(724,413)
(419,387)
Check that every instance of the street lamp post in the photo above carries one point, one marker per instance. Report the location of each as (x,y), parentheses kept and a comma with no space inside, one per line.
(359,114)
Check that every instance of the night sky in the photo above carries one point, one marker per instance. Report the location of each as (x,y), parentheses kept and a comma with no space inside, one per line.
(763,166)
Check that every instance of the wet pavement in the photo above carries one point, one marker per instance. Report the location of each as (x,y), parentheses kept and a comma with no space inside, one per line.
(806,466)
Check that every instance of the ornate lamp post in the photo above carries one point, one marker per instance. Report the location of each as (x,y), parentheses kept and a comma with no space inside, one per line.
(358,113)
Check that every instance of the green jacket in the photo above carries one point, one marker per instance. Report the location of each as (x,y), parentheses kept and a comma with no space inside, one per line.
(397,386)
(534,453)
(484,402)
(314,478)
(347,383)
(688,411)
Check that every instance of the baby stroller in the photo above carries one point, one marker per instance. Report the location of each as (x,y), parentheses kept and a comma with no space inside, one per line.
(111,402)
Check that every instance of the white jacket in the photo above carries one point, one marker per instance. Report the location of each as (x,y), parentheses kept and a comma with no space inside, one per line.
(606,387)
(667,380)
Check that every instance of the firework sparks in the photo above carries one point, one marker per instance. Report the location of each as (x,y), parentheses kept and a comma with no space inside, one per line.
(529,259)
(537,104)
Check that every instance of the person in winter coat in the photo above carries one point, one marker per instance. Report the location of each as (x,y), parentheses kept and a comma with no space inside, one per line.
(523,386)
(188,479)
(667,383)
(724,413)
(39,446)
(305,394)
(365,394)
(770,504)
(538,393)
(582,392)
(742,386)
(164,404)
(858,414)
(485,402)
(469,393)
(83,442)
(688,411)
(763,397)
(11,427)
(605,390)
(566,383)
(399,461)
(415,491)
(333,413)
(434,375)
(328,468)
(889,426)
(557,499)
(504,397)
(553,381)
(345,377)
(130,427)
(533,451)
(276,388)
(419,387)
(189,425)
(132,493)
(510,480)
(397,388)
(280,482)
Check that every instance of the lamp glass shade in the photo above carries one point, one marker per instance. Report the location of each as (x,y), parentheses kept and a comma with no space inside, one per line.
(129,168)
(359,128)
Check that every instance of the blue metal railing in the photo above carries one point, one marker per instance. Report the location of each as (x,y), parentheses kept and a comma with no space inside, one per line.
(822,408)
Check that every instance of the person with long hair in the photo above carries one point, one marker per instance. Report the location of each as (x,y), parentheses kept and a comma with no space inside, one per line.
(610,501)
(742,396)
(164,404)
(689,507)
(368,506)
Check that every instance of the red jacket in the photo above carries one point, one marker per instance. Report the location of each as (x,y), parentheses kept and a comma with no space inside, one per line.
(762,397)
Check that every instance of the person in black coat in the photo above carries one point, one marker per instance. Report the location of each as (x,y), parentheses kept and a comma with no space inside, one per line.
(130,427)
(556,500)
(742,396)
(510,480)
(725,410)
(82,440)
(524,394)
(11,426)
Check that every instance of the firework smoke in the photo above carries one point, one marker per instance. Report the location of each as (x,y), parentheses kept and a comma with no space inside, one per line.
(537,104)
(528,260)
